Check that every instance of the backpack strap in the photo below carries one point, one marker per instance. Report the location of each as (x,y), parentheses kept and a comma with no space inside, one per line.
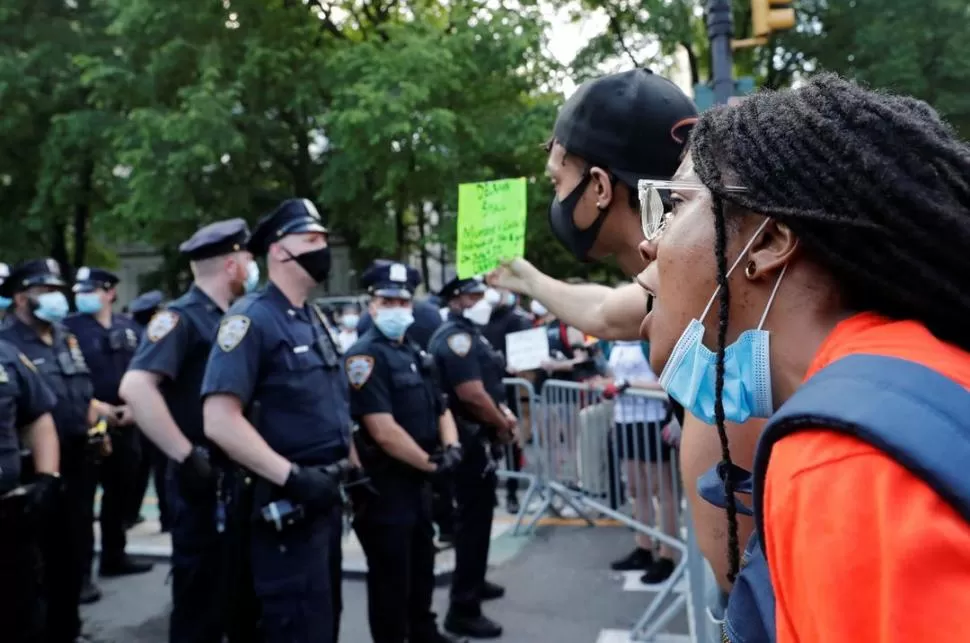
(916,416)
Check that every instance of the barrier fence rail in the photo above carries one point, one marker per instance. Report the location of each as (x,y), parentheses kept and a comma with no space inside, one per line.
(614,458)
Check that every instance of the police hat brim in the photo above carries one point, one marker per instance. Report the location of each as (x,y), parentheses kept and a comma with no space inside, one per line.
(392,293)
(85,286)
(263,236)
(42,280)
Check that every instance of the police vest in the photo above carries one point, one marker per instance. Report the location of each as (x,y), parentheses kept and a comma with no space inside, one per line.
(898,395)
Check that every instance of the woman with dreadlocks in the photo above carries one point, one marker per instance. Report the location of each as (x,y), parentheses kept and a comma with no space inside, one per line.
(840,223)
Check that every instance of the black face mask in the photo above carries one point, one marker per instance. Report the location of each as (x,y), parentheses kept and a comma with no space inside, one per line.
(578,242)
(315,262)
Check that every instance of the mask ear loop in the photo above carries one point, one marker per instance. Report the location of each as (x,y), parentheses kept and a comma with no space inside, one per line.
(771,298)
(734,265)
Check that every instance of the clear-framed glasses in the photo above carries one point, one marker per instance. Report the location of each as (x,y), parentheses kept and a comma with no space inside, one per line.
(653,216)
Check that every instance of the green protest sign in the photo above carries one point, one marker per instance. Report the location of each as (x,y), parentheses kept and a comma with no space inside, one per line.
(491,224)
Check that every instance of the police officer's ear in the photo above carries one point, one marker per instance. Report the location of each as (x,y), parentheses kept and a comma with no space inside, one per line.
(20,300)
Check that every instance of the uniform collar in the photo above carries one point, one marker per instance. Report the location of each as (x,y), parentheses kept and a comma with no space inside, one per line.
(277,296)
(14,322)
(199,295)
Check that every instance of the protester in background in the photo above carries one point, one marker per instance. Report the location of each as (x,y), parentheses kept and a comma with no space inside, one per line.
(347,323)
(639,422)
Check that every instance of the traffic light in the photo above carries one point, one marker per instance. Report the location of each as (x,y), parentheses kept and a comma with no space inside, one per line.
(768,16)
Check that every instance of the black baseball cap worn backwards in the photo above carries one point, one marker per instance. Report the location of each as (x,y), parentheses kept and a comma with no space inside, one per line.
(633,123)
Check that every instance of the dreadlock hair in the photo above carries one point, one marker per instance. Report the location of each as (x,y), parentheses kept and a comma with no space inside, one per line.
(875,186)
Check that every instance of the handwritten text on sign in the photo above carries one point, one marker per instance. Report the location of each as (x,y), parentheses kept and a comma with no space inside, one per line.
(491,224)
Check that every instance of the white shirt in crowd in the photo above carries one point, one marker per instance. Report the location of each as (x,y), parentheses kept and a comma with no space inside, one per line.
(347,338)
(627,362)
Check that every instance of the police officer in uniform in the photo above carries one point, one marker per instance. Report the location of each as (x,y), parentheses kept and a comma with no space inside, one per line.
(26,496)
(153,462)
(108,341)
(404,419)
(276,401)
(162,388)
(34,326)
(471,372)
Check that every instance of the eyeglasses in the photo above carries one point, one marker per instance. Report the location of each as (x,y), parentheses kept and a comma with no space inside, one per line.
(653,217)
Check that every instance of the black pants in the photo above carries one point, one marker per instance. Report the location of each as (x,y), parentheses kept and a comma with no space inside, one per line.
(21,603)
(443,504)
(65,544)
(475,496)
(118,476)
(400,580)
(197,568)
(513,462)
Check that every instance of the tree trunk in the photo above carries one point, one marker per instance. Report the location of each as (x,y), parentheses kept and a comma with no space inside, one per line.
(422,244)
(59,247)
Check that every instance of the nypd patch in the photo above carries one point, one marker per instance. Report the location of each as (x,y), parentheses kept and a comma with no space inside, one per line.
(161,325)
(460,344)
(232,330)
(359,369)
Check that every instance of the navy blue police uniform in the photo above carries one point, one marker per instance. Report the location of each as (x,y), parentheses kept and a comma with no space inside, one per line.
(153,461)
(282,363)
(508,319)
(463,354)
(396,377)
(176,346)
(24,398)
(107,351)
(63,368)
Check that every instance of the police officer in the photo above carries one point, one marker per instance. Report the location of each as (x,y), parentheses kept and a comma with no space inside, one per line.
(276,400)
(153,462)
(471,372)
(404,419)
(26,496)
(34,326)
(108,341)
(162,388)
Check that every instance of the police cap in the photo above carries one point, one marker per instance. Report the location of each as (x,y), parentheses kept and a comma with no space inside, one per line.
(216,239)
(88,279)
(146,301)
(390,279)
(34,272)
(292,216)
(457,286)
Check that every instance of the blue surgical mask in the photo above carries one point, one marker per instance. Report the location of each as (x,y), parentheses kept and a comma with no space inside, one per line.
(689,376)
(88,302)
(510,299)
(5,303)
(393,322)
(51,307)
(350,321)
(252,276)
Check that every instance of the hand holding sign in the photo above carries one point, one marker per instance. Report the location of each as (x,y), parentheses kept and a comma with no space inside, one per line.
(491,224)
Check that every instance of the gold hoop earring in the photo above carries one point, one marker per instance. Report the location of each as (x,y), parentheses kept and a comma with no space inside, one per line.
(750,270)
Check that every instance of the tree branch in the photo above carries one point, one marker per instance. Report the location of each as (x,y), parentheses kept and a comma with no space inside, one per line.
(618,32)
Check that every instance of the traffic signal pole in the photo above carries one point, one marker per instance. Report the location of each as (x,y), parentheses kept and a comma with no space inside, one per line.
(719,30)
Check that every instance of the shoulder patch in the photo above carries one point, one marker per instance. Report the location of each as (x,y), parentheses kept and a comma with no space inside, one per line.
(460,344)
(232,330)
(26,362)
(161,325)
(359,369)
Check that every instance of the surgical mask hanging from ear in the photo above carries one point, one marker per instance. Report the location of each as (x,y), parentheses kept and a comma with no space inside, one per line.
(690,375)
(252,277)
(478,314)
(51,307)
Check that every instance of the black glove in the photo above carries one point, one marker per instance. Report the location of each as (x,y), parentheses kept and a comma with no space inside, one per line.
(449,459)
(41,498)
(196,479)
(316,489)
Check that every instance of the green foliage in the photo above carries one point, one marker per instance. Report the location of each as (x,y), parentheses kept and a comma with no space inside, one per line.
(132,122)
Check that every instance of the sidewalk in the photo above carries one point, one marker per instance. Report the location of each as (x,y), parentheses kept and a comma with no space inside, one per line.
(146,540)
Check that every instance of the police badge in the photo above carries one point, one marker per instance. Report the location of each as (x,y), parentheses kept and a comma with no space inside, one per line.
(232,330)
(460,343)
(359,369)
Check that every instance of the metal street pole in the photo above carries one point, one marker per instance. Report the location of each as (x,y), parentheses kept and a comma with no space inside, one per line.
(719,30)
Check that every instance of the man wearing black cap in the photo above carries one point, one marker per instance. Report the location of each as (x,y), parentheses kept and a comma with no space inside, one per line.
(162,389)
(471,373)
(108,342)
(612,122)
(34,326)
(404,425)
(276,401)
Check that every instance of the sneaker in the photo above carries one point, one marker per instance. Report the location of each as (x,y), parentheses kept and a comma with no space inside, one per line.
(476,627)
(638,559)
(658,572)
(491,591)
(512,505)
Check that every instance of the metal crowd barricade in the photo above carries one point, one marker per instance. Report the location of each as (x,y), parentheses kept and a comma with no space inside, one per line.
(526,405)
(611,458)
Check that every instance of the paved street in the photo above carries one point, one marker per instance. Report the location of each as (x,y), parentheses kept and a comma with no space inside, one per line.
(559,582)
